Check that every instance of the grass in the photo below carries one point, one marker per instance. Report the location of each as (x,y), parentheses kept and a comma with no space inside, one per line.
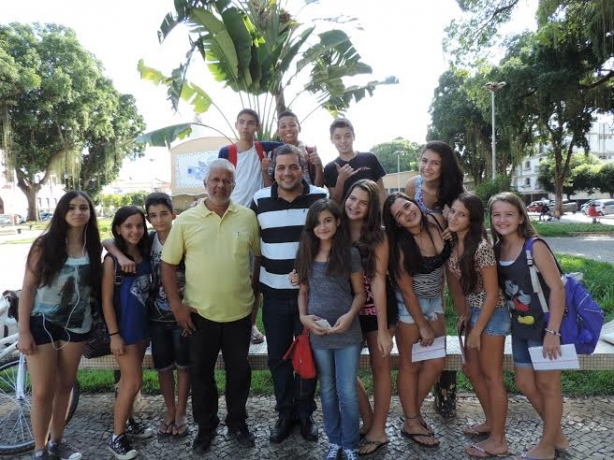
(569,229)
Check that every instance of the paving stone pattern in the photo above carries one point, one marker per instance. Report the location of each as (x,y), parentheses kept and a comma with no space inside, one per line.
(588,422)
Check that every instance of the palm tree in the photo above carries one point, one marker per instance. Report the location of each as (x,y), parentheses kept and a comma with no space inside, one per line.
(258,49)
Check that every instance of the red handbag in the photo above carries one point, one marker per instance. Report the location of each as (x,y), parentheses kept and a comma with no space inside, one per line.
(301,356)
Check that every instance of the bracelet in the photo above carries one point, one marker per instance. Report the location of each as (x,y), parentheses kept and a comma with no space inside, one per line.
(555,333)
(115,333)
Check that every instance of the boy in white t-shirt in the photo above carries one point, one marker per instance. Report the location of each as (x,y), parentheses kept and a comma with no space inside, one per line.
(251,160)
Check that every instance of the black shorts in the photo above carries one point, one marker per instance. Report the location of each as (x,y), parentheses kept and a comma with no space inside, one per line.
(44,331)
(368,323)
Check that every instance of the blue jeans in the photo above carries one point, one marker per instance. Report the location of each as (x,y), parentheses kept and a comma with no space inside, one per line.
(294,396)
(337,370)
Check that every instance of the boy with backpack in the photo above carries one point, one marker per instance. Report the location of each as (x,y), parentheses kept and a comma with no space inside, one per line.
(250,158)
(170,349)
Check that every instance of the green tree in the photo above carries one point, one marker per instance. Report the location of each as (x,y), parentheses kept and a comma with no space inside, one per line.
(57,103)
(105,151)
(261,51)
(476,32)
(110,201)
(490,187)
(605,179)
(138,198)
(399,149)
(456,118)
(582,177)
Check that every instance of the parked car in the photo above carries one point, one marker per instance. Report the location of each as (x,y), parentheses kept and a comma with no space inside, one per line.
(568,206)
(604,207)
(45,216)
(7,224)
(584,207)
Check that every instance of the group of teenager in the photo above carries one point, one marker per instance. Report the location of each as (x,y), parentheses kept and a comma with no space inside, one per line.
(347,263)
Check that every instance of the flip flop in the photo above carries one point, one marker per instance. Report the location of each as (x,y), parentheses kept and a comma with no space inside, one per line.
(559,451)
(257,337)
(482,453)
(470,431)
(181,430)
(525,456)
(368,442)
(414,436)
(166,429)
(403,418)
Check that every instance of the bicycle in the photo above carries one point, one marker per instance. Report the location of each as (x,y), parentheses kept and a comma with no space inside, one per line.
(15,388)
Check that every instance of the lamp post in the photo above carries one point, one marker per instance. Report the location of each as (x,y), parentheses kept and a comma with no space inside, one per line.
(493,86)
(398,152)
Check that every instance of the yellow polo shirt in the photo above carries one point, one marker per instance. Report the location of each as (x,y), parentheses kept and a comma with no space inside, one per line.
(217,254)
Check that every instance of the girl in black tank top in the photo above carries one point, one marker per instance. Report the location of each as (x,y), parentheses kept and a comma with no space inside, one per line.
(510,228)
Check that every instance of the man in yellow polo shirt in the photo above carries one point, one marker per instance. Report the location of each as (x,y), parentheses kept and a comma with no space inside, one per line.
(215,239)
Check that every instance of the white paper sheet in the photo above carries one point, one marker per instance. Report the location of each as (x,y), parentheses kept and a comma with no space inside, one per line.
(437,350)
(567,360)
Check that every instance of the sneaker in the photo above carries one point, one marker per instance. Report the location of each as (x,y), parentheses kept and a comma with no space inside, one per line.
(137,429)
(333,452)
(121,448)
(40,455)
(63,451)
(351,454)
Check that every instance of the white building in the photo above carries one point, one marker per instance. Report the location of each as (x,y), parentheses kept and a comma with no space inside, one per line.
(524,178)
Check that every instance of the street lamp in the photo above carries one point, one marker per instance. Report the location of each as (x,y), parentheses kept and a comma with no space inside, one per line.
(398,152)
(493,86)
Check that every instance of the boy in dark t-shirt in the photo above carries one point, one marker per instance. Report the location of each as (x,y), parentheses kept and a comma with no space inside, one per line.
(350,166)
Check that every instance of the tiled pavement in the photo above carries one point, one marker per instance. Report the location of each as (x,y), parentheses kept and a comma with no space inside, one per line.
(588,422)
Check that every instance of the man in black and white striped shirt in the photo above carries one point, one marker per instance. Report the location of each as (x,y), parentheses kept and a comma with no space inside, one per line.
(281,211)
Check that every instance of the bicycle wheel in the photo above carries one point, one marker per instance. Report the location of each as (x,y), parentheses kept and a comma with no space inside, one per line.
(15,429)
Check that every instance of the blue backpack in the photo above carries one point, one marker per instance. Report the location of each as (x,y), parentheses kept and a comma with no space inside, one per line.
(583,317)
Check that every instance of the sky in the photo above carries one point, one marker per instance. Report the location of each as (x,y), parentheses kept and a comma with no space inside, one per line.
(399,38)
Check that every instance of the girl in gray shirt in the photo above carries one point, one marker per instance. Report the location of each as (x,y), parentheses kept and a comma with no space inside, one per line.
(330,298)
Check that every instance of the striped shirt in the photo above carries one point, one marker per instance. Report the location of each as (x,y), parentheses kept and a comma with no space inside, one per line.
(281,223)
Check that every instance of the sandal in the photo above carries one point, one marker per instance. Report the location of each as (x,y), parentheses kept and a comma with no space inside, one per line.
(257,336)
(181,429)
(480,452)
(414,437)
(472,431)
(422,422)
(166,429)
(368,446)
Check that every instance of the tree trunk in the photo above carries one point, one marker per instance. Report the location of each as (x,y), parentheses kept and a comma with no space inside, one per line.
(30,191)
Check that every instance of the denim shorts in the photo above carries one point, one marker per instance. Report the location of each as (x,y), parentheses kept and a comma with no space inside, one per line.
(44,331)
(520,350)
(430,308)
(499,323)
(169,348)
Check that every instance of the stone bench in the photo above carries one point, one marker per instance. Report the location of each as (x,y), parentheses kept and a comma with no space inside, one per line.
(601,359)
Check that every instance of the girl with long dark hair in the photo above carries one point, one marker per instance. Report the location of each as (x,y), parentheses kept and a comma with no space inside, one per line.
(418,254)
(127,317)
(331,294)
(55,315)
(439,182)
(472,279)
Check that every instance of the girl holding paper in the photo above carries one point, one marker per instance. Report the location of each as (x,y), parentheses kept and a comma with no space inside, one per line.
(332,289)
(418,254)
(479,302)
(511,228)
